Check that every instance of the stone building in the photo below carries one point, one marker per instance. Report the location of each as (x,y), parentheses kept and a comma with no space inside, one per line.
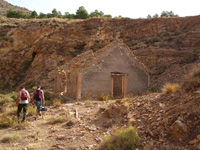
(112,70)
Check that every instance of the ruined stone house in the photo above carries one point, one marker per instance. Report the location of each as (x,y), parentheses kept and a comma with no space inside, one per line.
(112,71)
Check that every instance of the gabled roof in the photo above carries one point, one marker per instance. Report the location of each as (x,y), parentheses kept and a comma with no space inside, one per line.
(90,58)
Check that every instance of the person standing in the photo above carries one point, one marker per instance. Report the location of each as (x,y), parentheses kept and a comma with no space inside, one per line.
(23,98)
(38,99)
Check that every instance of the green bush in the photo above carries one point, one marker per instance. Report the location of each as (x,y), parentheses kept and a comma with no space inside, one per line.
(124,139)
(16,14)
(82,13)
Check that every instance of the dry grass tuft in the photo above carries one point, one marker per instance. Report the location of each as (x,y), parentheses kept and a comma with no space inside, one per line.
(12,110)
(20,126)
(126,104)
(192,82)
(104,97)
(34,135)
(88,103)
(57,103)
(78,102)
(6,121)
(7,99)
(111,101)
(131,121)
(123,139)
(170,88)
(10,138)
(58,119)
(31,111)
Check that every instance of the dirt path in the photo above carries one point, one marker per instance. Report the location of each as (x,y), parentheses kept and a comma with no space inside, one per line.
(84,130)
(77,132)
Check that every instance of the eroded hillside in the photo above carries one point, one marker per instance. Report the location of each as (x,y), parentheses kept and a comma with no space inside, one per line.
(33,49)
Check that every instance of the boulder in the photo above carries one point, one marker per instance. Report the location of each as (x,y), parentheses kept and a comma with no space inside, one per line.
(178,130)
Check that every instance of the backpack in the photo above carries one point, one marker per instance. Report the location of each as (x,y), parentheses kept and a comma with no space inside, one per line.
(24,95)
(38,95)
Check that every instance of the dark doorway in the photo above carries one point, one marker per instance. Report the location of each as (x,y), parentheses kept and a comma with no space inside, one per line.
(119,84)
(117,87)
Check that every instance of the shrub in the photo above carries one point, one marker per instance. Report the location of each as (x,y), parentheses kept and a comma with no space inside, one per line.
(160,69)
(31,111)
(111,101)
(27,64)
(126,104)
(192,82)
(13,110)
(16,14)
(155,40)
(88,103)
(154,89)
(48,102)
(10,138)
(170,88)
(51,96)
(7,99)
(20,126)
(57,103)
(6,121)
(35,134)
(130,95)
(59,119)
(2,109)
(78,102)
(34,88)
(104,97)
(124,139)
(190,58)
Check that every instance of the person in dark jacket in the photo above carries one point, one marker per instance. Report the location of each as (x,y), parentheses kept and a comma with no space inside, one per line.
(38,99)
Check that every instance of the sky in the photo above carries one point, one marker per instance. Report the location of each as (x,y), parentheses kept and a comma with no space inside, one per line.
(125,8)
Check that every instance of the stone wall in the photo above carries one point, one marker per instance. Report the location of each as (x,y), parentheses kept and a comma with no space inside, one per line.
(97,79)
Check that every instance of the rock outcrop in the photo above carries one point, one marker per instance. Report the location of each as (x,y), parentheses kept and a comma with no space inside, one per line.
(33,49)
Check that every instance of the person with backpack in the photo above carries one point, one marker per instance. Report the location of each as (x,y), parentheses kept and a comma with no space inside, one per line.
(23,98)
(38,99)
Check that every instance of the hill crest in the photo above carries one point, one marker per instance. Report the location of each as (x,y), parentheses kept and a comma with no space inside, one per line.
(5,6)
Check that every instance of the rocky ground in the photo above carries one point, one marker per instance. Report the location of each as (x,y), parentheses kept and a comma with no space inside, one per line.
(162,122)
